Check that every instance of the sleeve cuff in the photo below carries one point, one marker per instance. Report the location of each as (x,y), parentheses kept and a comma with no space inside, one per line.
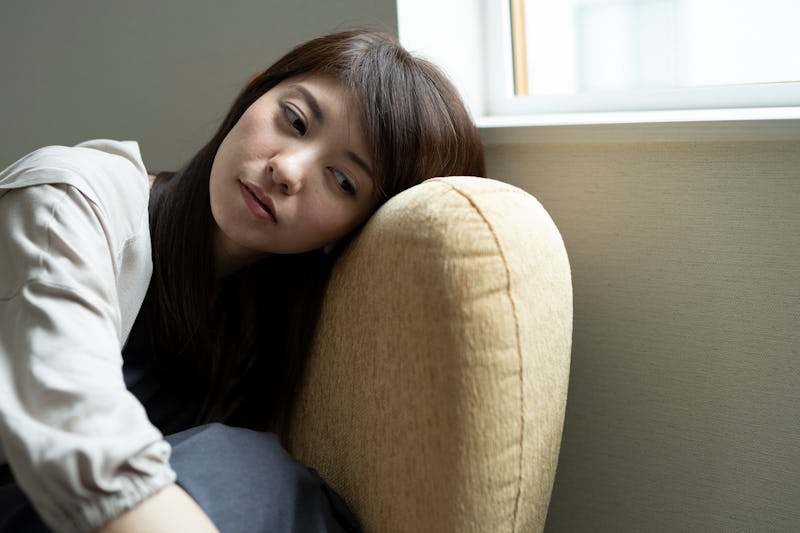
(95,513)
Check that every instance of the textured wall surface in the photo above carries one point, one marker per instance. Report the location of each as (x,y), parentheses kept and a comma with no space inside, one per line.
(161,73)
(684,402)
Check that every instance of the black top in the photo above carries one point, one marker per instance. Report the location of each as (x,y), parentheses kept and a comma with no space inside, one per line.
(172,404)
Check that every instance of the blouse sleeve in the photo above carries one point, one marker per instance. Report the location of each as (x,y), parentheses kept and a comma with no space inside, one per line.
(79,444)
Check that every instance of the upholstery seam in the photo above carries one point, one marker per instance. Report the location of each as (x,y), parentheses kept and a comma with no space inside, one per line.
(519,351)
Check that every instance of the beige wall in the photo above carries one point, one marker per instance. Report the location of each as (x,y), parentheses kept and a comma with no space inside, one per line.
(159,72)
(684,403)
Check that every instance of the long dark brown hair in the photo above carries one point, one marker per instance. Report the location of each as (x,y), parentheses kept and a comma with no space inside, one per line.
(241,343)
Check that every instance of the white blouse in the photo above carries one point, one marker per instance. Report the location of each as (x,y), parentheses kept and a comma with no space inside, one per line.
(74,269)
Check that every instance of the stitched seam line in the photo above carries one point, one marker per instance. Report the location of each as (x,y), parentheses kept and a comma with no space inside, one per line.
(518,496)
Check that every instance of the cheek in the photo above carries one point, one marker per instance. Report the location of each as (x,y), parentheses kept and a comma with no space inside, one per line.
(256,127)
(223,171)
(225,154)
(330,220)
(248,139)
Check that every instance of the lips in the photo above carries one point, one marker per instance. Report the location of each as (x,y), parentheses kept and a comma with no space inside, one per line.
(259,204)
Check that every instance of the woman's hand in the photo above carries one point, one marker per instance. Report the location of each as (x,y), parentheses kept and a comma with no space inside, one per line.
(171,510)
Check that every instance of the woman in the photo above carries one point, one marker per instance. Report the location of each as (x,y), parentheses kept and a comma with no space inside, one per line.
(242,240)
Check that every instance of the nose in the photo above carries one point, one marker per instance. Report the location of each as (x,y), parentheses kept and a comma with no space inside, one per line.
(289,172)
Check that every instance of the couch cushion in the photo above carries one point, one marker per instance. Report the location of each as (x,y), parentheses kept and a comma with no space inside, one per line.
(434,398)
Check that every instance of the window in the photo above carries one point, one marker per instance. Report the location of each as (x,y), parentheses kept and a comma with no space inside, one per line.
(623,55)
(617,70)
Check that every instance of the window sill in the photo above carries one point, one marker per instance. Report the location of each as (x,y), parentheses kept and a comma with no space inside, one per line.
(744,124)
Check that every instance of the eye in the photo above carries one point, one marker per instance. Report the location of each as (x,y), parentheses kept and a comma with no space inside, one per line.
(294,119)
(344,183)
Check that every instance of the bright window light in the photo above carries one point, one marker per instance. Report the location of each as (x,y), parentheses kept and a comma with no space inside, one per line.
(624,55)
(616,70)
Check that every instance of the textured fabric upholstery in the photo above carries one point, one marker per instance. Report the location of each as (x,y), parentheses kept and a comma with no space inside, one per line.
(435,396)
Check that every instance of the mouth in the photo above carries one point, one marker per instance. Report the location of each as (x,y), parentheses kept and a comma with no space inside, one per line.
(259,204)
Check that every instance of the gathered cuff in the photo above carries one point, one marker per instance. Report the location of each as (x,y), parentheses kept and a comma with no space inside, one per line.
(97,512)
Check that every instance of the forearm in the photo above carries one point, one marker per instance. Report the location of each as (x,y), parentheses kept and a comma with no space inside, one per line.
(170,510)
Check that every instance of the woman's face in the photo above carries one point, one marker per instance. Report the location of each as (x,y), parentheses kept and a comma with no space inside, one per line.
(293,175)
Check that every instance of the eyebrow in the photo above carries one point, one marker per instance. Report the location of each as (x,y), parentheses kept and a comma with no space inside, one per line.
(316,110)
(360,162)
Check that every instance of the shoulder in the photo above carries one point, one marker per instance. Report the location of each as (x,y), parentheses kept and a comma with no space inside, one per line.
(110,174)
(89,166)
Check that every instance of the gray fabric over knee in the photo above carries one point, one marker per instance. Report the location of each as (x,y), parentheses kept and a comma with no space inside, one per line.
(246,482)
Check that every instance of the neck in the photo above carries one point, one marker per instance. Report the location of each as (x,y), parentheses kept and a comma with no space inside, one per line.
(230,257)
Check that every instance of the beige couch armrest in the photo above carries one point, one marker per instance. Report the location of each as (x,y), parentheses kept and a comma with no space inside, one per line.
(434,398)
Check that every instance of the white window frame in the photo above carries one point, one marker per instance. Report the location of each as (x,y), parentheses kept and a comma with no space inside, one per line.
(462,37)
